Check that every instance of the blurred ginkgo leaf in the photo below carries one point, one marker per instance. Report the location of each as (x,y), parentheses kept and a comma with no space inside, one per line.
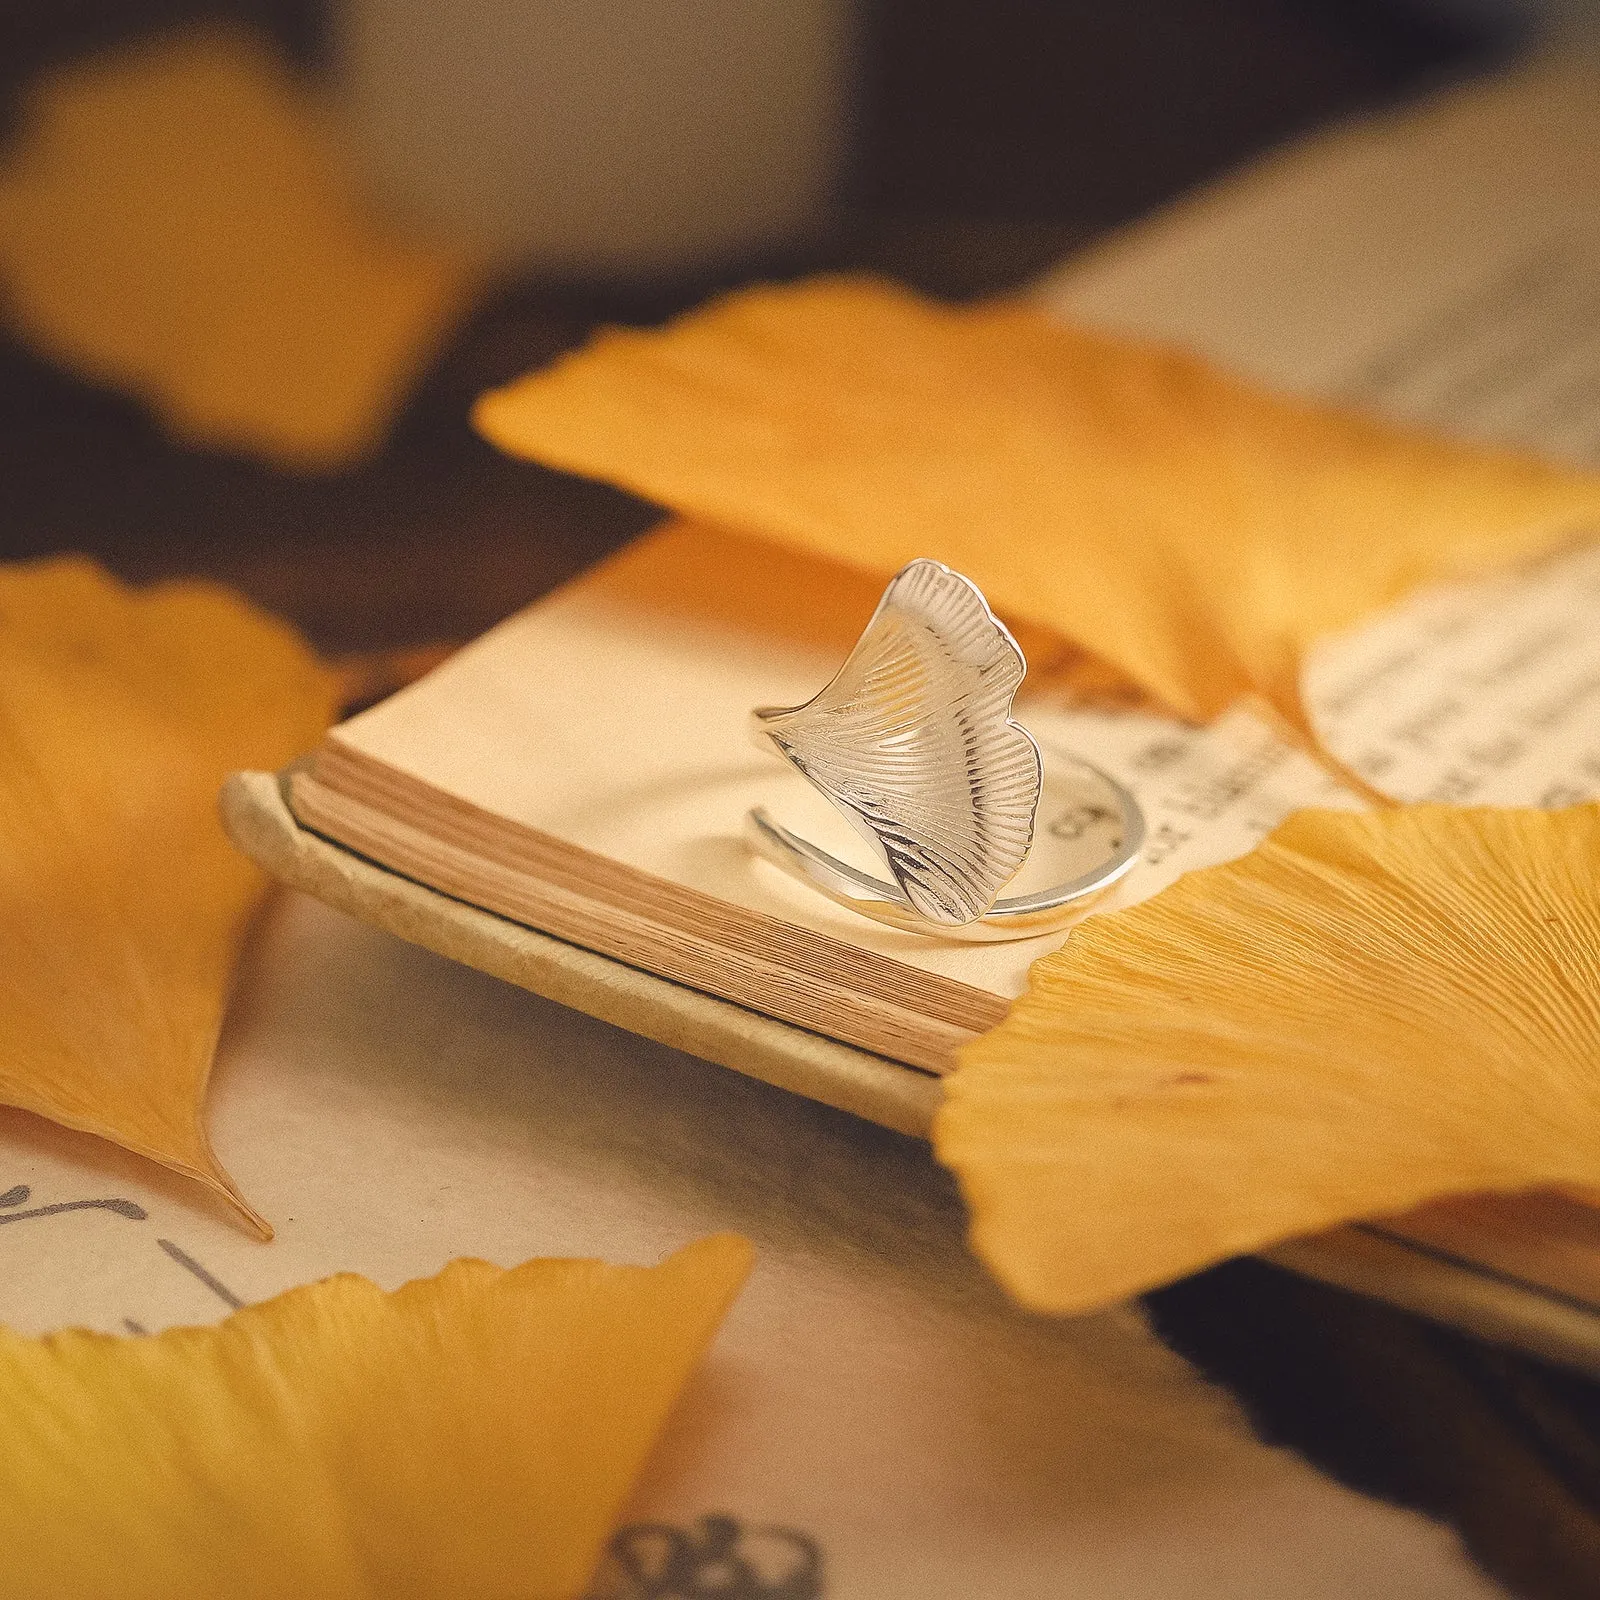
(122,903)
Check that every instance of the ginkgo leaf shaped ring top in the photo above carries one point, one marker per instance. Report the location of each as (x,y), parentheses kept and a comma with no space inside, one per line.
(913,743)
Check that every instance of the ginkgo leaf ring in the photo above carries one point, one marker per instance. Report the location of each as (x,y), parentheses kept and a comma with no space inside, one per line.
(914,744)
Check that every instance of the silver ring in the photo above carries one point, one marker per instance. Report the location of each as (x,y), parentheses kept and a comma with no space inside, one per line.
(914,744)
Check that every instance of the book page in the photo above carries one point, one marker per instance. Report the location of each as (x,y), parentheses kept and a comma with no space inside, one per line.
(614,715)
(619,726)
(1333,257)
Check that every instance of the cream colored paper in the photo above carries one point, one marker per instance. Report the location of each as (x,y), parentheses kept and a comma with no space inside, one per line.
(622,729)
(870,1390)
(1320,267)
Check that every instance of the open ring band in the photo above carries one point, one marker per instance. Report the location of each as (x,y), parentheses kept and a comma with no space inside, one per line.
(914,744)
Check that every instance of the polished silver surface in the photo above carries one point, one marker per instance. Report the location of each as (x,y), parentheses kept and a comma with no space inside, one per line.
(913,742)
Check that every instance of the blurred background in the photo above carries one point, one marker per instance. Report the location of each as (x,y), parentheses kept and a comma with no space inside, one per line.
(547,164)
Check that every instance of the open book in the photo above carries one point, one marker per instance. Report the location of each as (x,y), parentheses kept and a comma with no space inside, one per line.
(584,770)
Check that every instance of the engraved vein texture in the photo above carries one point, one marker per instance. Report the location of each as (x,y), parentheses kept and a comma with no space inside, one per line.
(913,741)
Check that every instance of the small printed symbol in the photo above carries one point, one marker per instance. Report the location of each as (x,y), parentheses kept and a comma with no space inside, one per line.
(1158,755)
(1076,821)
(19,1194)
(718,1559)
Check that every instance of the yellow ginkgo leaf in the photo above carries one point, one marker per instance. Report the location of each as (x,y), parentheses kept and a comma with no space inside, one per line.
(469,1437)
(1367,1011)
(122,904)
(1191,530)
(174,222)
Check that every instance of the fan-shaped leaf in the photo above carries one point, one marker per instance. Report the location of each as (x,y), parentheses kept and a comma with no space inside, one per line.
(1367,1011)
(472,1434)
(173,222)
(122,904)
(1190,529)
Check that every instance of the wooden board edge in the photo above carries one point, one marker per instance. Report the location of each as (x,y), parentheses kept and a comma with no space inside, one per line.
(259,821)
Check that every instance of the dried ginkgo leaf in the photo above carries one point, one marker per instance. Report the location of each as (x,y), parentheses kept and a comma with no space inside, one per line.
(1188,528)
(1367,1011)
(122,904)
(174,222)
(472,1434)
